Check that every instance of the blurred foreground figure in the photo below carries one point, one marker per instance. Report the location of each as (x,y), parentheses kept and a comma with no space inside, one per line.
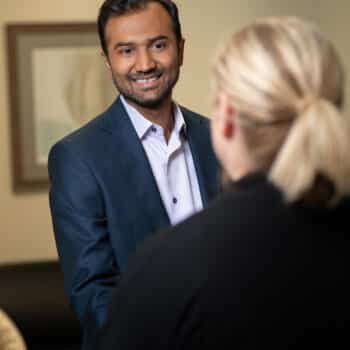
(266,265)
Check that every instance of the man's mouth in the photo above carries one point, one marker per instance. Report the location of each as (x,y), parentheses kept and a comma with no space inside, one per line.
(147,81)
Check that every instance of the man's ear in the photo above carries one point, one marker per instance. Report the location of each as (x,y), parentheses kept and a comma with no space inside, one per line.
(181,51)
(227,116)
(107,65)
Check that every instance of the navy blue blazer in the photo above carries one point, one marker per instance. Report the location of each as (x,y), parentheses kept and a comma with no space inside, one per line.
(104,202)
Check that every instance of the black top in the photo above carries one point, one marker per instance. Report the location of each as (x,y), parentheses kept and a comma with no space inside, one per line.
(249,272)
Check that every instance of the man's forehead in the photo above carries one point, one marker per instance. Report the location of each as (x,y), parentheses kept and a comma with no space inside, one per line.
(151,21)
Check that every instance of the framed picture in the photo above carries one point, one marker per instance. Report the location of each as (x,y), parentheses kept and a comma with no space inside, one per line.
(57,83)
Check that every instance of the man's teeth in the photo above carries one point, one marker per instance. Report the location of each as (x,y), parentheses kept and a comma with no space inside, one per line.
(149,80)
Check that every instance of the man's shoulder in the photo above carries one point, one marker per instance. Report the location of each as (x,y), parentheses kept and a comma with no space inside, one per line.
(92,127)
(93,131)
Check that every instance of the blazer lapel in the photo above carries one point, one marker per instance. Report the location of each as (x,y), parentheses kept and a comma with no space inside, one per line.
(203,156)
(137,172)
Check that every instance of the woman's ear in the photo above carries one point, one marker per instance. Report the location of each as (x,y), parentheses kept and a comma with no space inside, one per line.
(227,115)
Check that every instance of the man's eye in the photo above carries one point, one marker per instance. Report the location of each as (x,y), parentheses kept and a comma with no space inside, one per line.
(125,51)
(159,45)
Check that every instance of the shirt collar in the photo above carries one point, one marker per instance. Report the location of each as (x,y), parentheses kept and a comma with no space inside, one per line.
(140,123)
(143,125)
(179,125)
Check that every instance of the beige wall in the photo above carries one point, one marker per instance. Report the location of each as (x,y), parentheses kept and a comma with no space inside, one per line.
(25,225)
(335,22)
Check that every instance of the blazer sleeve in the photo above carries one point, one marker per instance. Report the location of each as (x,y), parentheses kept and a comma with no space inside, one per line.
(82,237)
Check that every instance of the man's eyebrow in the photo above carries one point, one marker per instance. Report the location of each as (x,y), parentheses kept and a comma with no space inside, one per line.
(159,37)
(122,44)
(148,41)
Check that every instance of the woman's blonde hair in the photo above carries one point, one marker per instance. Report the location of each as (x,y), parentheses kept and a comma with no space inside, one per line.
(286,82)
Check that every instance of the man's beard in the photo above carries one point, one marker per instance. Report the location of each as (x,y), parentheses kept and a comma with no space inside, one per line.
(144,102)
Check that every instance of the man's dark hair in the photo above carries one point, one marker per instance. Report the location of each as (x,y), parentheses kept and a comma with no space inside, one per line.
(114,8)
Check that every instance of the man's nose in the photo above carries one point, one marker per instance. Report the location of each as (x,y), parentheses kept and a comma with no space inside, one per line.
(144,61)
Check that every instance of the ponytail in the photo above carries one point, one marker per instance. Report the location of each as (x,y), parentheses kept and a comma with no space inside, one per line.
(313,164)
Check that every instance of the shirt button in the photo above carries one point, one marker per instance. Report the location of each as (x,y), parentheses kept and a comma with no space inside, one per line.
(174,200)
(153,128)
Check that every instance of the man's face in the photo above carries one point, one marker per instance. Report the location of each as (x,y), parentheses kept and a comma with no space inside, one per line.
(144,58)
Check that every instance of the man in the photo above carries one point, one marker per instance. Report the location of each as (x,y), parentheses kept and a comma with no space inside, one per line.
(143,164)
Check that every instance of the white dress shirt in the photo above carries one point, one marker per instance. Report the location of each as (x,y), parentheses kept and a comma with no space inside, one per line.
(171,163)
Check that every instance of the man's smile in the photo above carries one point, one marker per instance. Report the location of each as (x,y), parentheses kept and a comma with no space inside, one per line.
(147,81)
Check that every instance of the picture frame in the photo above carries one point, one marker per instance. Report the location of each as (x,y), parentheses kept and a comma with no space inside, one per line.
(57,82)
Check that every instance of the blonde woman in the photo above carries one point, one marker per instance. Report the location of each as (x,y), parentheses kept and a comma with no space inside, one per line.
(266,265)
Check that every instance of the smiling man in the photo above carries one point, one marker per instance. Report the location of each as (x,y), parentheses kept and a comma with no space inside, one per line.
(143,164)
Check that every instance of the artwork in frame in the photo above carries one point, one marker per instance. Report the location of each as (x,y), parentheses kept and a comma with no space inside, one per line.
(58,82)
